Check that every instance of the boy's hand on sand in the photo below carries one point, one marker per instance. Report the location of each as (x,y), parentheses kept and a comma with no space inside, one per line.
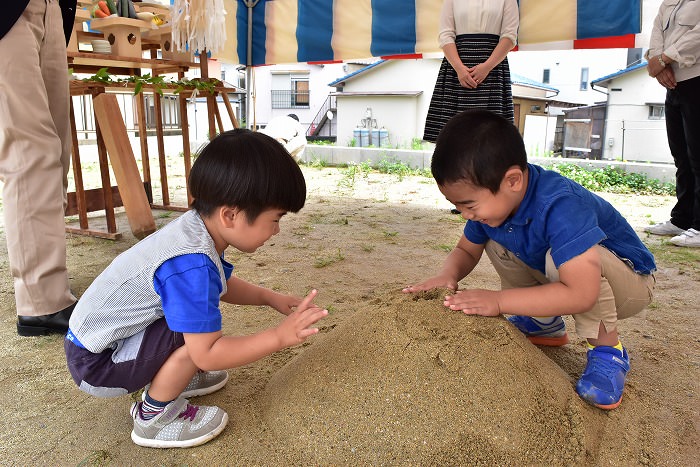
(474,302)
(437,282)
(295,328)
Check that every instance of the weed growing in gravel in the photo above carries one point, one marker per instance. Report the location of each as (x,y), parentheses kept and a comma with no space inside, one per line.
(323,261)
(99,457)
(318,163)
(686,259)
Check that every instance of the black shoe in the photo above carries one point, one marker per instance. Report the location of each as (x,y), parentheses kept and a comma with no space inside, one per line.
(455,211)
(56,323)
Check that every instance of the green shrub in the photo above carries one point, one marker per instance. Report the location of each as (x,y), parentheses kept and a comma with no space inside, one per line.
(614,180)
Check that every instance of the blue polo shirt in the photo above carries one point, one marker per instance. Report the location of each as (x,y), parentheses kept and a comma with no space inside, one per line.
(560,214)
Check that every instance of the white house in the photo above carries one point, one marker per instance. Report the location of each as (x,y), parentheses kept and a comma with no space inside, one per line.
(571,71)
(394,95)
(635,129)
(299,88)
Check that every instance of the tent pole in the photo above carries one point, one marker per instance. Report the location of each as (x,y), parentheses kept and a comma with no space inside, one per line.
(249,110)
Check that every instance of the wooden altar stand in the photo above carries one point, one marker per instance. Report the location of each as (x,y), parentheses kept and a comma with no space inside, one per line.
(132,192)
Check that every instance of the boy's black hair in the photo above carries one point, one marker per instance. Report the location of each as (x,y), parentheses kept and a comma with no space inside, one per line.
(477,146)
(248,170)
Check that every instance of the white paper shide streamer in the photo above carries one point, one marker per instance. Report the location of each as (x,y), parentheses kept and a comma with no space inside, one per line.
(201,24)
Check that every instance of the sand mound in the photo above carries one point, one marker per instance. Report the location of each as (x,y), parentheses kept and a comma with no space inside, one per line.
(404,380)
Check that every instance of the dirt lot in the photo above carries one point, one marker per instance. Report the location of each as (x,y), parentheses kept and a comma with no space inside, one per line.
(389,380)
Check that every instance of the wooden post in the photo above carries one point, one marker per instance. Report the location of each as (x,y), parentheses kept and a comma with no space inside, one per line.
(143,139)
(219,122)
(78,172)
(211,100)
(138,211)
(229,109)
(108,200)
(158,111)
(186,144)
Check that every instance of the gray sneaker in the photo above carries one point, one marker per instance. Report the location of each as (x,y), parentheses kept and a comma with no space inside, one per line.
(201,384)
(690,237)
(179,425)
(664,228)
(205,382)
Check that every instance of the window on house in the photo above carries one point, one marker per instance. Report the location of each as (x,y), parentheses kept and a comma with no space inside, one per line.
(584,79)
(634,57)
(545,76)
(657,112)
(290,91)
(300,90)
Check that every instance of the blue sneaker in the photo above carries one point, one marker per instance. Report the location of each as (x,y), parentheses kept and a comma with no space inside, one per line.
(603,380)
(552,334)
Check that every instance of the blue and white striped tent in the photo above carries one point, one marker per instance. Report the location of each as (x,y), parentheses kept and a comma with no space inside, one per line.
(289,31)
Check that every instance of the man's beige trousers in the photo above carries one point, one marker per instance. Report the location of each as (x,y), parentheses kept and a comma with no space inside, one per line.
(34,157)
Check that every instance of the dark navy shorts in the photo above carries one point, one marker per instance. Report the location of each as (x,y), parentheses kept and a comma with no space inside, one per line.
(129,367)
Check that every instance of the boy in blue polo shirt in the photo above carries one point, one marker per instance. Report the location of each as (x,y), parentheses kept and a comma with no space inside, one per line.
(558,249)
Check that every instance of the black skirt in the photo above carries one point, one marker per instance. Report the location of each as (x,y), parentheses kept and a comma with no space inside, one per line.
(450,97)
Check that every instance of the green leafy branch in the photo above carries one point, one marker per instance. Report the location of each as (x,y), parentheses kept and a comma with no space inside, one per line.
(157,83)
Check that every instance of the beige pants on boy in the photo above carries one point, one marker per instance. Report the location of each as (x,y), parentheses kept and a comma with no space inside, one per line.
(623,292)
(35,150)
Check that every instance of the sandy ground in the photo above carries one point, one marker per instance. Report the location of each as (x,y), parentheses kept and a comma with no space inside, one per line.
(389,380)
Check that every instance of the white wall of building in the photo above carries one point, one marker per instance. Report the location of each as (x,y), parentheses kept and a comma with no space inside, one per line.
(538,135)
(268,78)
(396,114)
(565,68)
(630,133)
(403,113)
(265,79)
(198,118)
(565,65)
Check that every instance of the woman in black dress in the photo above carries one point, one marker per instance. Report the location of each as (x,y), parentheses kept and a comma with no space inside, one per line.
(475,36)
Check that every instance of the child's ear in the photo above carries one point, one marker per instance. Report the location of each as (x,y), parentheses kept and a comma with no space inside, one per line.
(514,178)
(229,215)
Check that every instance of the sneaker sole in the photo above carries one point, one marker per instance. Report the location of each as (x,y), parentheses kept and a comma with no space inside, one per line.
(685,245)
(205,391)
(665,234)
(549,341)
(609,406)
(157,443)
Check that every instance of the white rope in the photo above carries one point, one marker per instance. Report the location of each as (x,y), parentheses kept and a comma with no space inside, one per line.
(201,24)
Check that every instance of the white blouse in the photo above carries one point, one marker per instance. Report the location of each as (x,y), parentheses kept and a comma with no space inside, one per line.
(499,17)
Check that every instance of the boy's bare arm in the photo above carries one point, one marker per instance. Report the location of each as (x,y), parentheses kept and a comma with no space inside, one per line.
(458,264)
(241,292)
(576,292)
(214,351)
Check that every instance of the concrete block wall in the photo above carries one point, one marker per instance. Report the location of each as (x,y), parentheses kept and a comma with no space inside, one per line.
(420,159)
(341,155)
